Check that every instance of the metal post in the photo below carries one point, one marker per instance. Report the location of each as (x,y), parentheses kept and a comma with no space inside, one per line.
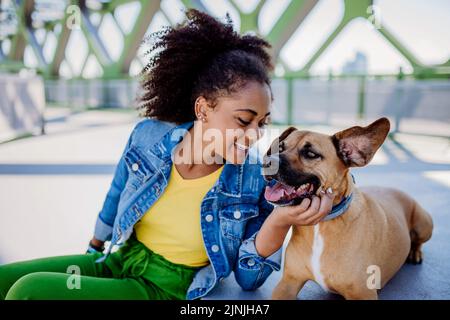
(362,98)
(290,100)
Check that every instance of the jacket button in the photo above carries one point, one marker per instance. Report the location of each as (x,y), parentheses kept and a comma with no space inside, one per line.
(215,248)
(135,167)
(251,262)
(209,218)
(237,214)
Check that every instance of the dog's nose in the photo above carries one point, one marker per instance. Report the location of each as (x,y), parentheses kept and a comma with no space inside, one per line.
(269,161)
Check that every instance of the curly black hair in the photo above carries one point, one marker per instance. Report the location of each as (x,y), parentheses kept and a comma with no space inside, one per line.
(199,57)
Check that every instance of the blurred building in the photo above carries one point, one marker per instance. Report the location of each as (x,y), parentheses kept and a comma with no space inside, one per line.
(357,66)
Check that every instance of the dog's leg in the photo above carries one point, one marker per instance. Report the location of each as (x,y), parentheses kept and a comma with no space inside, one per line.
(288,288)
(421,230)
(295,274)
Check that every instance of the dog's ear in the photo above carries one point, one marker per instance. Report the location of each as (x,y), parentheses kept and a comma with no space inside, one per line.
(356,146)
(285,133)
(283,136)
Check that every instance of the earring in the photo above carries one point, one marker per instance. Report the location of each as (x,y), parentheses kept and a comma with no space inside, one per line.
(201,118)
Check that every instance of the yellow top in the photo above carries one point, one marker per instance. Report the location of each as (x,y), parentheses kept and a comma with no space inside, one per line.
(171,227)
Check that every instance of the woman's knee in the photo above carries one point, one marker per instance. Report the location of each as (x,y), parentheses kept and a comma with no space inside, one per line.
(28,287)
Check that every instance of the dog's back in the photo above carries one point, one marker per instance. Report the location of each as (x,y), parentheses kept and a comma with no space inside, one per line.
(405,210)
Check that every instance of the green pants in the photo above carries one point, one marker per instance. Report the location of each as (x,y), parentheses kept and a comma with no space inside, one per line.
(132,272)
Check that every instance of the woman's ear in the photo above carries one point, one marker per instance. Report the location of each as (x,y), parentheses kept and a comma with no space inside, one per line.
(201,105)
(356,146)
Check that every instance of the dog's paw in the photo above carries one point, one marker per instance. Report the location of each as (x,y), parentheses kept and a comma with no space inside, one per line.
(415,256)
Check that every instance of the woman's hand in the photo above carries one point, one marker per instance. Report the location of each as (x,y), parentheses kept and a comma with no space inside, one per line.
(309,212)
(274,229)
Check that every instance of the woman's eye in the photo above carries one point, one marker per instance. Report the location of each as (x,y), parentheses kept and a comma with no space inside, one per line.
(244,123)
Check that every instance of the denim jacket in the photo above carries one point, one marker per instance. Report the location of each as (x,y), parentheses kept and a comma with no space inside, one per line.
(232,211)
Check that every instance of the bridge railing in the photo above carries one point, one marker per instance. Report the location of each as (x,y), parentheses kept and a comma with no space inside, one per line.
(414,106)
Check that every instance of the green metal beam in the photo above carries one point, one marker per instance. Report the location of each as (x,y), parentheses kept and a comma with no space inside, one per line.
(197,4)
(249,21)
(18,41)
(304,72)
(288,23)
(400,47)
(285,26)
(37,49)
(352,9)
(90,31)
(359,9)
(29,34)
(61,45)
(133,40)
(113,4)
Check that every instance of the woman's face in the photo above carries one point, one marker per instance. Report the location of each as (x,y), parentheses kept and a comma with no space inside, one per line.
(237,121)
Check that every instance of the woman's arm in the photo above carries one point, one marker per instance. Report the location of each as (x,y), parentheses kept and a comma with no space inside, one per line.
(106,216)
(260,253)
(273,232)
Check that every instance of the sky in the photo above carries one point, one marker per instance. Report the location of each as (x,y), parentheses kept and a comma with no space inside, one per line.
(423,26)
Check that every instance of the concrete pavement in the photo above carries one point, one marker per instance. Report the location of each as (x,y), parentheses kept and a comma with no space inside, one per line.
(53,186)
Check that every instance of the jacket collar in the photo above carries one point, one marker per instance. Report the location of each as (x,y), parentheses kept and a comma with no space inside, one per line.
(230,180)
(163,148)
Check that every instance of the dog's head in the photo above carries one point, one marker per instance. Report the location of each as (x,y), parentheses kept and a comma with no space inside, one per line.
(299,163)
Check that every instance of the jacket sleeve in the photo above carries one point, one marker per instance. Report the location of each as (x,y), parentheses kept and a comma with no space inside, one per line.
(251,269)
(105,219)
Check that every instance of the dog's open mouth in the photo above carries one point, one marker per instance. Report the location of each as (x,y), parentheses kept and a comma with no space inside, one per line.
(281,194)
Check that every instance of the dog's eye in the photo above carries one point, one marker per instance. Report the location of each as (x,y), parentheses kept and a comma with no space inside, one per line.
(310,155)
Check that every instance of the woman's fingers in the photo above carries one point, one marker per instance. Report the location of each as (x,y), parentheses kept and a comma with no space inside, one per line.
(311,211)
(318,208)
(326,204)
(313,208)
(300,208)
(303,217)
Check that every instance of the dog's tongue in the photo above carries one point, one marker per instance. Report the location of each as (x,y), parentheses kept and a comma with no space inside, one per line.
(277,191)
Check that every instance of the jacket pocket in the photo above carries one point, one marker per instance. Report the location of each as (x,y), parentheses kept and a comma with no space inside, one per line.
(234,218)
(139,168)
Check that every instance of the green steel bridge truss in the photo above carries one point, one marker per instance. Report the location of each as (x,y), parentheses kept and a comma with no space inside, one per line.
(22,16)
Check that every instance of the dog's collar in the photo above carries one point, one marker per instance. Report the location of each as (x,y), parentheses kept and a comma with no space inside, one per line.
(341,207)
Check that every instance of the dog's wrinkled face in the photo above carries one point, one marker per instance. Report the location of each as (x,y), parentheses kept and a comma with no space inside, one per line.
(299,163)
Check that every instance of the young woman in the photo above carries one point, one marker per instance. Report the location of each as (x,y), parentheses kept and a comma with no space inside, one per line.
(184,211)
